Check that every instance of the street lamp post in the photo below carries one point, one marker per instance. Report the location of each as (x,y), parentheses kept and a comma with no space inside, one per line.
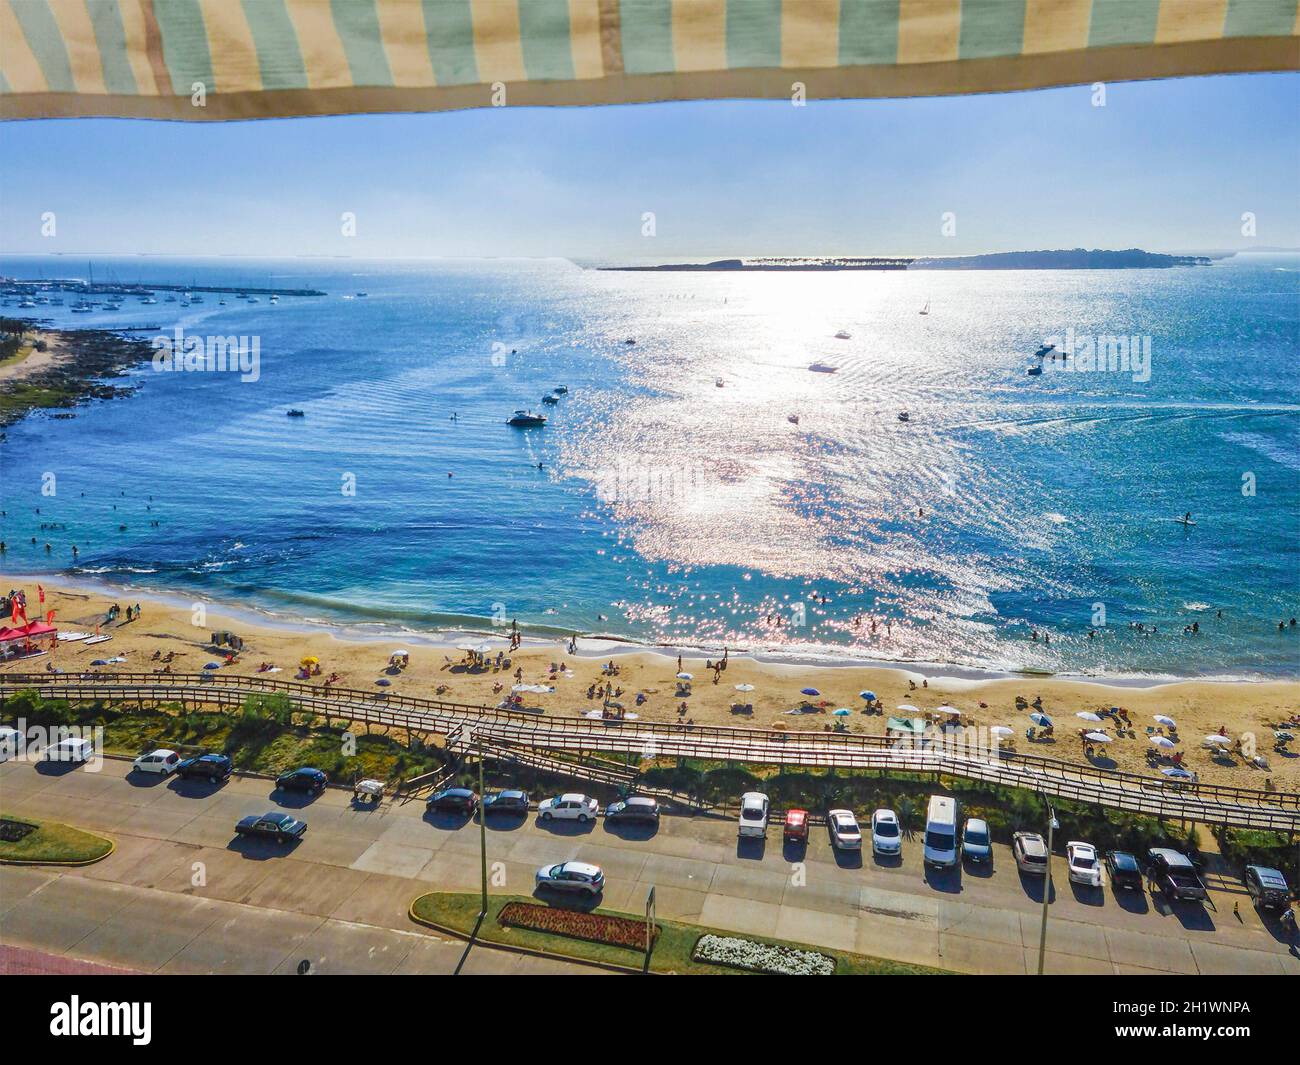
(1047,885)
(482,829)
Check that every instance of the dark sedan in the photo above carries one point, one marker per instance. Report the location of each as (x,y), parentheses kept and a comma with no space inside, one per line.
(209,767)
(506,802)
(1268,887)
(276,826)
(1123,870)
(636,808)
(456,800)
(305,779)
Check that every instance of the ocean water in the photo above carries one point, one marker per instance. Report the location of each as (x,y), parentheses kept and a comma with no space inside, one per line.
(664,508)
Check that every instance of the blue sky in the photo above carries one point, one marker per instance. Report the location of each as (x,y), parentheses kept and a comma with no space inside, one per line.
(1168,165)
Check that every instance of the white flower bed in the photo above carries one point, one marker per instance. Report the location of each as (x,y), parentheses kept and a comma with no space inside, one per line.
(762,958)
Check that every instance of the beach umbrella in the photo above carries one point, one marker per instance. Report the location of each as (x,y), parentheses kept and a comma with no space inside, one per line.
(1178,773)
(399,651)
(948,710)
(1001,730)
(208,665)
(1163,720)
(1087,715)
(907,708)
(1041,719)
(744,687)
(482,648)
(310,660)
(383,682)
(809,691)
(467,647)
(843,711)
(870,696)
(1217,739)
(1097,737)
(1162,741)
(685,676)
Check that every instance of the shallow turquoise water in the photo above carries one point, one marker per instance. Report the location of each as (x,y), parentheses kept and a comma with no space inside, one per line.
(668,509)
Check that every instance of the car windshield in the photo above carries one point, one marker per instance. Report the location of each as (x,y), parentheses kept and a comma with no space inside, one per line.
(1084,861)
(939,841)
(887,829)
(977,837)
(752,813)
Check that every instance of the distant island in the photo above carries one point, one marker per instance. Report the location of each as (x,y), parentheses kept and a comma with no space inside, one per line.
(1072,259)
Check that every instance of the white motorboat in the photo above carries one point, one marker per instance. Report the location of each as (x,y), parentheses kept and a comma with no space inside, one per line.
(526,419)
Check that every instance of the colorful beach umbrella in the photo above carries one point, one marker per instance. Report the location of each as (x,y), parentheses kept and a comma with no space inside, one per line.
(1177,772)
(1041,719)
(1162,741)
(870,696)
(843,711)
(1088,715)
(809,691)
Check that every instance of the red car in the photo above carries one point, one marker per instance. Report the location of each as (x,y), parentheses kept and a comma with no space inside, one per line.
(796,826)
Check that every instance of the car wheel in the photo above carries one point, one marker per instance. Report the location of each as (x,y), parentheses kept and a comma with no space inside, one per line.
(546,816)
(582,819)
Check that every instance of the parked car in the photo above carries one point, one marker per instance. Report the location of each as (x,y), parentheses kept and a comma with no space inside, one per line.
(886,836)
(754,808)
(572,806)
(1174,874)
(11,742)
(456,800)
(1081,863)
(277,826)
(845,833)
(941,846)
(976,844)
(209,767)
(506,802)
(305,779)
(637,808)
(1268,887)
(1123,870)
(1030,852)
(795,829)
(70,749)
(161,761)
(572,876)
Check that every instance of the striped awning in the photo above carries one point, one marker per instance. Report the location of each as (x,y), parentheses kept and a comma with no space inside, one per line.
(226,59)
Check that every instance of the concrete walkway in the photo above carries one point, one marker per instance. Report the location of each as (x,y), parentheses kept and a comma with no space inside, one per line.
(182,893)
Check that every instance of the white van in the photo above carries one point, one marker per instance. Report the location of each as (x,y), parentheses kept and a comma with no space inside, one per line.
(71,749)
(941,848)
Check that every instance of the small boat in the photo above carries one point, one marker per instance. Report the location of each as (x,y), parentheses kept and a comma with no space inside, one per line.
(98,639)
(843,335)
(196,299)
(362,295)
(1044,350)
(720,383)
(561,390)
(295,413)
(630,340)
(223,303)
(275,299)
(551,398)
(823,367)
(926,308)
(904,416)
(793,419)
(525,419)
(253,299)
(1034,371)
(148,300)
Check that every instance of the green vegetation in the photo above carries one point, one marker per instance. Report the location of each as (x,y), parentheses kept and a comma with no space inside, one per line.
(53,842)
(672,951)
(266,735)
(1247,846)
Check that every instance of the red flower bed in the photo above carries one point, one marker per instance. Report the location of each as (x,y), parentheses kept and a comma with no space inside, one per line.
(593,927)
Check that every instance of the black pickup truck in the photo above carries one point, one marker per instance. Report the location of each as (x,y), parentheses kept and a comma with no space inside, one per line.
(1174,874)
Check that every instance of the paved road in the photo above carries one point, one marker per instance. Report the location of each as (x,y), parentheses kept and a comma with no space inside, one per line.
(183,894)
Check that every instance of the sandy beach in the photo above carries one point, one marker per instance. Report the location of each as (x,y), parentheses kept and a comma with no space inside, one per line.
(1199,707)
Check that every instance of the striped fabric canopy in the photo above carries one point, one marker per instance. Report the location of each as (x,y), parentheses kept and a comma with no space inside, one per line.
(224,59)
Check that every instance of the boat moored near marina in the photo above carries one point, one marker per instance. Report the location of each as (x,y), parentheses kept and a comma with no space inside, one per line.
(526,419)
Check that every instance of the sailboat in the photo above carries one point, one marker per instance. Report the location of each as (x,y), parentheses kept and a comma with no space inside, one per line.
(926,308)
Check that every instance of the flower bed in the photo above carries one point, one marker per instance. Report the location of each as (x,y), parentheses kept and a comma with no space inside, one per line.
(577,924)
(740,953)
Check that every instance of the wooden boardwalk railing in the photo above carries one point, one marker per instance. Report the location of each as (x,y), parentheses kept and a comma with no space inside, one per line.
(1203,803)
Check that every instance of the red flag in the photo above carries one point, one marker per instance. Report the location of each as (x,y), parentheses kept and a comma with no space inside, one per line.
(13,613)
(41,592)
(49,616)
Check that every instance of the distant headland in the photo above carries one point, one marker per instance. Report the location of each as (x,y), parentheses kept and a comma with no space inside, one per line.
(1062,259)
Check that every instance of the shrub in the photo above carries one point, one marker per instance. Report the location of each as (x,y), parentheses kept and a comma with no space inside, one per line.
(577,924)
(738,953)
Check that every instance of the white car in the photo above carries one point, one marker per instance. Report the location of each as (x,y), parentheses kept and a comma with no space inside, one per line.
(573,806)
(886,836)
(579,877)
(845,833)
(160,761)
(753,813)
(1081,861)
